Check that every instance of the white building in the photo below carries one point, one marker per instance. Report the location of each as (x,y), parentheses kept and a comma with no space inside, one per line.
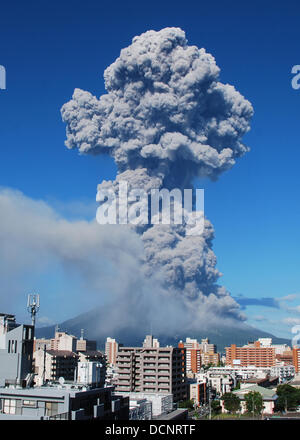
(220,382)
(284,372)
(161,403)
(279,348)
(140,409)
(243,372)
(89,373)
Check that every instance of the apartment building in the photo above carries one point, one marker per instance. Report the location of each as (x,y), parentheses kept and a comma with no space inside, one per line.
(198,354)
(252,354)
(296,359)
(242,372)
(193,354)
(210,358)
(63,341)
(284,372)
(207,347)
(50,365)
(152,370)
(111,350)
(219,382)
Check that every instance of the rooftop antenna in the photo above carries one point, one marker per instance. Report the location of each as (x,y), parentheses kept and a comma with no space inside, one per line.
(81,333)
(33,306)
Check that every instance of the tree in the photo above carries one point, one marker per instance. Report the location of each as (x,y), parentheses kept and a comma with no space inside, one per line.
(189,404)
(254,402)
(216,407)
(288,398)
(231,402)
(208,366)
(238,386)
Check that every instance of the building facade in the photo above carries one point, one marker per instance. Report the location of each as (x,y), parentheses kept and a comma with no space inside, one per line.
(111,350)
(62,403)
(252,354)
(16,346)
(152,370)
(50,365)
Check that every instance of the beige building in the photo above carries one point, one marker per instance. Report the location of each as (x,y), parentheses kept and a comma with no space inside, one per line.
(198,354)
(40,344)
(111,350)
(152,370)
(85,345)
(63,341)
(210,358)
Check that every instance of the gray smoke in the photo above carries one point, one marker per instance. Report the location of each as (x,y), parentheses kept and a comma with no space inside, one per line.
(165,120)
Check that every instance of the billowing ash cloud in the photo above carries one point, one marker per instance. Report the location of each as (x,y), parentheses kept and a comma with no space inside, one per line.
(164,108)
(166,119)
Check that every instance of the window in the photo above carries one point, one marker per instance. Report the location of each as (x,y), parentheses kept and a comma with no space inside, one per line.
(9,406)
(51,408)
(31,403)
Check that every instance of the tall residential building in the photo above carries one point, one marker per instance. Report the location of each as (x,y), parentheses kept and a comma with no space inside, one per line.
(198,354)
(111,350)
(210,358)
(296,359)
(193,354)
(152,370)
(16,345)
(206,347)
(252,354)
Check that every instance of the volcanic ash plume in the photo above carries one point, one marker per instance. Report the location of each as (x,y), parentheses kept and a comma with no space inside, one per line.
(165,120)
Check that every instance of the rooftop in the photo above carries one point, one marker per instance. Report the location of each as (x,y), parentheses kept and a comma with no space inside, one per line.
(266,393)
(61,353)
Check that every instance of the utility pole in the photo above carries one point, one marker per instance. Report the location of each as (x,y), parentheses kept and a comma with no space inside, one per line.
(209,402)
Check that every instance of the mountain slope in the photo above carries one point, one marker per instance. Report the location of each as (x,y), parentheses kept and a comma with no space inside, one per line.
(91,323)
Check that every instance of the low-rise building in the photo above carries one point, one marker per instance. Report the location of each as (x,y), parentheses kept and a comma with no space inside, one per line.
(160,403)
(50,365)
(198,392)
(283,372)
(140,409)
(266,382)
(243,372)
(269,397)
(63,402)
(96,357)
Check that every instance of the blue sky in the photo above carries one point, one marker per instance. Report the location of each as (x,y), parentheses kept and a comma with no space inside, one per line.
(50,48)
